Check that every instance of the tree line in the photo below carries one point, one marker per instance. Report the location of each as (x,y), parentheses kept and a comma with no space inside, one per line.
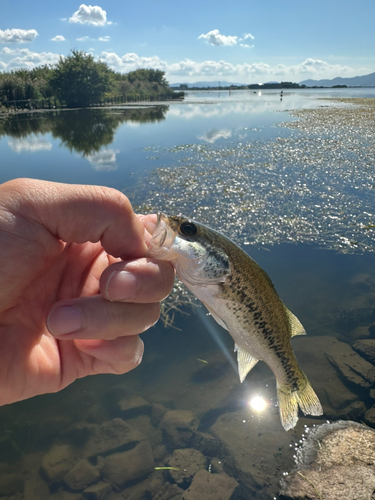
(79,81)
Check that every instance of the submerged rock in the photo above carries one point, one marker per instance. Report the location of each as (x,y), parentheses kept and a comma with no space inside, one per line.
(209,445)
(359,333)
(98,491)
(173,492)
(58,462)
(210,487)
(257,450)
(187,462)
(370,416)
(133,406)
(178,427)
(366,349)
(120,468)
(328,382)
(157,413)
(11,485)
(111,436)
(65,495)
(352,366)
(149,488)
(9,450)
(143,425)
(335,462)
(82,475)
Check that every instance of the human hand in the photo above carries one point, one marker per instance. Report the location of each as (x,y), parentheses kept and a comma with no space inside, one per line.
(66,308)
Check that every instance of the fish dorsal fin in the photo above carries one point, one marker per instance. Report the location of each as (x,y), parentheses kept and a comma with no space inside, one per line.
(216,317)
(296,325)
(245,360)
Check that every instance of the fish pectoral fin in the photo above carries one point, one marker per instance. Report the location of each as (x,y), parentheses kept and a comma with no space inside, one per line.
(245,360)
(296,325)
(216,317)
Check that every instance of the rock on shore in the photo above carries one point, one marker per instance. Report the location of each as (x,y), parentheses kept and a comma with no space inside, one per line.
(335,462)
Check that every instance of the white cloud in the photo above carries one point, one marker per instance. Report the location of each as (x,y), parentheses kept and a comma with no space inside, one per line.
(215,38)
(131,62)
(188,70)
(213,135)
(257,72)
(58,38)
(246,46)
(17,36)
(25,58)
(246,36)
(30,145)
(88,14)
(7,50)
(88,39)
(243,73)
(104,161)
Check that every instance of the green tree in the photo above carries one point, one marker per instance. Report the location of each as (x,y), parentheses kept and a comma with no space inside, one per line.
(78,80)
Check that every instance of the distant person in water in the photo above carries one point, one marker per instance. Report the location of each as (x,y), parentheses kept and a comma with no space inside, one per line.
(76,288)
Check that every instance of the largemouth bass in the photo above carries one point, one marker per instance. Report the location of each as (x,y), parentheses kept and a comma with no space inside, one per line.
(242,299)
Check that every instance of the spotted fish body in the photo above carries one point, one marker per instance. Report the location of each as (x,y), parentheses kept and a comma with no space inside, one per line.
(243,300)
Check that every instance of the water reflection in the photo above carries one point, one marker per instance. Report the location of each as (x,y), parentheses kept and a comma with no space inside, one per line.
(258,404)
(84,131)
(212,136)
(104,160)
(29,144)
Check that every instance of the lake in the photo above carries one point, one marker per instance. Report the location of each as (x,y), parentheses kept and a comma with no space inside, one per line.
(291,179)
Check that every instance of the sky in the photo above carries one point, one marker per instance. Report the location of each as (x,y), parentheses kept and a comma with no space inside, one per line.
(241,42)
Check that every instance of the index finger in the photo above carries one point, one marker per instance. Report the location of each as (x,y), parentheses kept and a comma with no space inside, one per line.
(77,213)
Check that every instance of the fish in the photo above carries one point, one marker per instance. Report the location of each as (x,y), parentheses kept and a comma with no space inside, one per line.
(242,299)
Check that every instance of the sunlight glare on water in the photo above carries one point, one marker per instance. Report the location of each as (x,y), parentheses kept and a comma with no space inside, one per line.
(258,404)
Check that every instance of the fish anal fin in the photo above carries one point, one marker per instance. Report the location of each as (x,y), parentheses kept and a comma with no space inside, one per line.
(245,360)
(296,325)
(290,400)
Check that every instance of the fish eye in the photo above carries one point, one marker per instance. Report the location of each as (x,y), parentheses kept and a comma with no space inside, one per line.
(188,229)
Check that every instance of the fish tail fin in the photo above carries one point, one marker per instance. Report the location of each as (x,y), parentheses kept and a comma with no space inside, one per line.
(290,400)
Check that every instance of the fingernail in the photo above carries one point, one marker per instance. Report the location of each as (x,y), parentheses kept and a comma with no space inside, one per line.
(121,285)
(64,319)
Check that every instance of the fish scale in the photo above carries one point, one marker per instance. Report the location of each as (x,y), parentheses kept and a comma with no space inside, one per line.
(242,299)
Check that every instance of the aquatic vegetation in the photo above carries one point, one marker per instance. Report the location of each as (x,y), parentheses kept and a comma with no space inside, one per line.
(314,186)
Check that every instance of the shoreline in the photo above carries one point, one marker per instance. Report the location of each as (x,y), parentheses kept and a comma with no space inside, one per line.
(130,105)
(359,101)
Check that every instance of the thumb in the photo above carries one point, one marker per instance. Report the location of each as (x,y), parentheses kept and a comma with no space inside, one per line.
(77,213)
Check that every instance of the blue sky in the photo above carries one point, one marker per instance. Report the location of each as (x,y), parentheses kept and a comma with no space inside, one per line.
(244,41)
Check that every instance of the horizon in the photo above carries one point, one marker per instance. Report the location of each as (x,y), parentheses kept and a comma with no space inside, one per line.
(248,43)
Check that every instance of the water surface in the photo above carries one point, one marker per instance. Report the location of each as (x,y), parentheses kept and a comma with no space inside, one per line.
(299,200)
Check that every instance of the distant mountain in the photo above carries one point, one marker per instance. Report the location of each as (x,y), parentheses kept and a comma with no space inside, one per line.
(208,84)
(357,81)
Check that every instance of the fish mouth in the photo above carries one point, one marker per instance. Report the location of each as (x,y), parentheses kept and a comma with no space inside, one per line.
(162,239)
